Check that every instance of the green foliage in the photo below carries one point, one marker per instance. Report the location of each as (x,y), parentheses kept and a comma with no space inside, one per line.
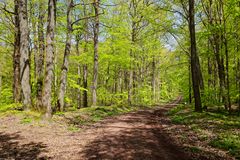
(178,119)
(6,96)
(195,149)
(90,115)
(228,141)
(9,107)
(73,128)
(26,120)
(218,122)
(177,109)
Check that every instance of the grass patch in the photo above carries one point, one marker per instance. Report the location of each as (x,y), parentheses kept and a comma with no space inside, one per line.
(73,128)
(216,126)
(26,120)
(12,108)
(194,149)
(59,113)
(228,141)
(15,109)
(176,109)
(89,115)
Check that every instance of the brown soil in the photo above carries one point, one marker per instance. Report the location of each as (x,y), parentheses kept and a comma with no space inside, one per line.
(139,135)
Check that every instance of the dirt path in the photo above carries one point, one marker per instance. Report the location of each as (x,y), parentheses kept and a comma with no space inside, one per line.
(136,135)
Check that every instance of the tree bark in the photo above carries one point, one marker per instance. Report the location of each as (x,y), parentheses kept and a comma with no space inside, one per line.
(195,69)
(238,80)
(85,85)
(0,83)
(79,101)
(131,72)
(24,54)
(95,41)
(47,89)
(16,56)
(40,56)
(225,41)
(65,65)
(153,80)
(85,66)
(190,83)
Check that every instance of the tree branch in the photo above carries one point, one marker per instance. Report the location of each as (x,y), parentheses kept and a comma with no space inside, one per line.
(6,10)
(88,17)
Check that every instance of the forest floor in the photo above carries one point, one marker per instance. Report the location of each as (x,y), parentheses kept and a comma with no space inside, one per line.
(144,134)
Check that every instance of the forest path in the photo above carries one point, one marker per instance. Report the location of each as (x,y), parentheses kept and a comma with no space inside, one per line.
(138,135)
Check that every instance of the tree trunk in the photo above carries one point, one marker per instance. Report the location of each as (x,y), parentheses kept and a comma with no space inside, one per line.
(0,83)
(85,66)
(228,99)
(16,56)
(95,41)
(238,79)
(153,80)
(34,23)
(131,72)
(40,55)
(85,85)
(189,83)
(65,66)
(195,69)
(24,54)
(47,89)
(130,86)
(79,101)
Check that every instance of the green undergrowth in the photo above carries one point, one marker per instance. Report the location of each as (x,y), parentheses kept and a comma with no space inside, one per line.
(16,109)
(215,126)
(86,116)
(74,117)
(9,108)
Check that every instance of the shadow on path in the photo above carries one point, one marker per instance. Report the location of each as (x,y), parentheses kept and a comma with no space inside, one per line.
(10,148)
(134,136)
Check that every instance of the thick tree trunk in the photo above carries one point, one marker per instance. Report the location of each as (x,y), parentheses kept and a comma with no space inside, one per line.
(16,56)
(24,54)
(47,89)
(195,69)
(40,55)
(65,65)
(95,41)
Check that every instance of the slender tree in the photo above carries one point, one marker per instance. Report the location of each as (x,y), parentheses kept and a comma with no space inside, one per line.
(65,65)
(95,41)
(79,101)
(85,66)
(195,69)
